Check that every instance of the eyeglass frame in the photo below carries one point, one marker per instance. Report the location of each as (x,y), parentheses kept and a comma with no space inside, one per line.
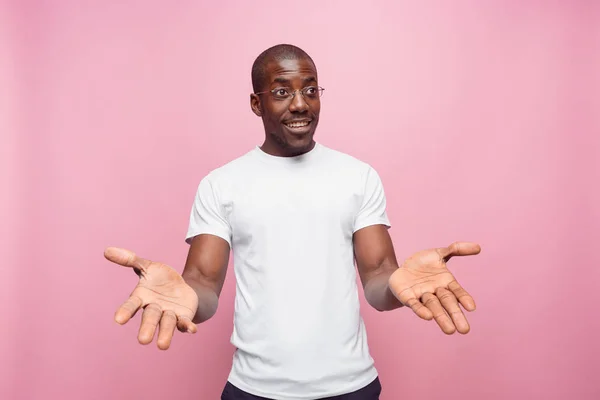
(293,93)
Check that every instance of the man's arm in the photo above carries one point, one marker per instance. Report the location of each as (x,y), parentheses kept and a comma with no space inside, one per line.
(205,271)
(376,262)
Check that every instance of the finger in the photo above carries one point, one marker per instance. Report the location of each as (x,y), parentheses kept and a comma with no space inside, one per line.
(184,324)
(450,304)
(463,297)
(128,309)
(409,299)
(459,249)
(126,258)
(168,322)
(439,314)
(150,319)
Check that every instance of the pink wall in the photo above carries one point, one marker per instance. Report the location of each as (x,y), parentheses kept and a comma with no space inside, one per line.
(9,205)
(479,118)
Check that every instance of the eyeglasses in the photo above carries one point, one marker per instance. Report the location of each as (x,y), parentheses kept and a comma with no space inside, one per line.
(309,92)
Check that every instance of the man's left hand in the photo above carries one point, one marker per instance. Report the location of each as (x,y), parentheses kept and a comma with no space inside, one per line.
(425,284)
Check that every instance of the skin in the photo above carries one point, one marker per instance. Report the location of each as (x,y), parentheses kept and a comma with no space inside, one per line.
(172,301)
(169,300)
(423,281)
(279,139)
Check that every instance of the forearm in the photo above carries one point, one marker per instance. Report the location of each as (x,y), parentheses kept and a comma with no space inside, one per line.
(208,301)
(378,293)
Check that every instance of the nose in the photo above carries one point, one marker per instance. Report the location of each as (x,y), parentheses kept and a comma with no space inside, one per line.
(298,103)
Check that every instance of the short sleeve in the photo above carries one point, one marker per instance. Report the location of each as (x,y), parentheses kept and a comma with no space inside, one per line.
(207,216)
(373,208)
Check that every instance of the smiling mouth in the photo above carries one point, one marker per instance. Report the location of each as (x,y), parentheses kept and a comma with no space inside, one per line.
(297,124)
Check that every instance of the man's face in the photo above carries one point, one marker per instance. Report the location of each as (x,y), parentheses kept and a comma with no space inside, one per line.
(290,123)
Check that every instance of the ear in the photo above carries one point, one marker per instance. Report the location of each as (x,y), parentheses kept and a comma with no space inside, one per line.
(255,104)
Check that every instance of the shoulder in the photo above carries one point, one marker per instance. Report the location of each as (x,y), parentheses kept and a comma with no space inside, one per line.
(348,162)
(221,180)
(232,170)
(358,174)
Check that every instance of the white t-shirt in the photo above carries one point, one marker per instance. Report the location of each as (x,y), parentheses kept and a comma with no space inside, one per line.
(289,221)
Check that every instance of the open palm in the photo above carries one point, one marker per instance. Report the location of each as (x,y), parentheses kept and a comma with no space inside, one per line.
(168,302)
(425,284)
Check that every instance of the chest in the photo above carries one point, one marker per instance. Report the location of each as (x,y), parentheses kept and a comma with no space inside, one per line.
(295,206)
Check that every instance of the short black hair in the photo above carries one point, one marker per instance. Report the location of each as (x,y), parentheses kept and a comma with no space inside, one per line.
(276,53)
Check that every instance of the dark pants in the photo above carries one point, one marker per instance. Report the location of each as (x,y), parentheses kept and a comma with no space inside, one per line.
(369,392)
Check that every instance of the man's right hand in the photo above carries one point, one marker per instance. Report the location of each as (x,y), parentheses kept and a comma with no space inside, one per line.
(168,302)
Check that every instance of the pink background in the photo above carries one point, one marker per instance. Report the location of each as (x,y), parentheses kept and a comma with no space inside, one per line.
(481,117)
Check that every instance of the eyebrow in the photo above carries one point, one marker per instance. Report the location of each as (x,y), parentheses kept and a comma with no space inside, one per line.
(287,81)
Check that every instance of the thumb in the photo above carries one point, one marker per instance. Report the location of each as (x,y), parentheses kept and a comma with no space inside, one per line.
(126,258)
(459,249)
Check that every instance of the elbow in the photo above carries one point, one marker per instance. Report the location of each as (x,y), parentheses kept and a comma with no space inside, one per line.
(381,298)
(205,311)
(208,303)
(373,300)
(380,309)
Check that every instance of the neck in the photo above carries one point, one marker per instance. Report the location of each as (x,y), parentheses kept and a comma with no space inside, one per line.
(285,151)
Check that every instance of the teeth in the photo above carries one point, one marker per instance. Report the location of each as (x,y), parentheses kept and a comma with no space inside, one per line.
(297,124)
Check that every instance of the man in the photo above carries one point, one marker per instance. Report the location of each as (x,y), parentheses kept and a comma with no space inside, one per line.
(297,216)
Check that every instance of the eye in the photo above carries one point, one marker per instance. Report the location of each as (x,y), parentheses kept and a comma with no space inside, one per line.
(311,92)
(281,92)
